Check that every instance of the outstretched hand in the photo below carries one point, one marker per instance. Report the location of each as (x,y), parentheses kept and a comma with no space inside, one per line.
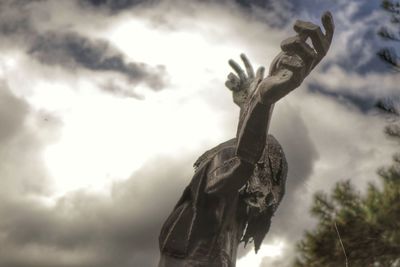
(242,84)
(297,59)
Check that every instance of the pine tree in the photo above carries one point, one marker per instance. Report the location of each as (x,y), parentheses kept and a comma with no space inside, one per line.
(357,230)
(388,54)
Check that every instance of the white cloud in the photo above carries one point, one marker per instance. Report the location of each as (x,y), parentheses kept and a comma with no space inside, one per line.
(271,251)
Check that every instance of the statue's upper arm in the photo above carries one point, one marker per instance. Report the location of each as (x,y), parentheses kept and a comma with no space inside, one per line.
(226,172)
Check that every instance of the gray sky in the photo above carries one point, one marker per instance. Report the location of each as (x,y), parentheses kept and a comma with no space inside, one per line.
(105,106)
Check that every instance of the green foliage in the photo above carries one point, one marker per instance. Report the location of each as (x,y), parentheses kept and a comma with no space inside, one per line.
(388,54)
(368,225)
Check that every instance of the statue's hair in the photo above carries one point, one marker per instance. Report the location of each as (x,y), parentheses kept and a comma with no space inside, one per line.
(269,179)
(257,227)
(259,213)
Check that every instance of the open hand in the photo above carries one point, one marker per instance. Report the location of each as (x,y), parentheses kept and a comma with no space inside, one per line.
(243,84)
(297,59)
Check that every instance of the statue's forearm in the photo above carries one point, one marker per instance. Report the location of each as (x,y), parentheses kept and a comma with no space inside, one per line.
(231,169)
(254,123)
(253,130)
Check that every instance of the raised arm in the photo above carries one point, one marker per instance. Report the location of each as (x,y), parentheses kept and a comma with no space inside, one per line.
(257,95)
(287,72)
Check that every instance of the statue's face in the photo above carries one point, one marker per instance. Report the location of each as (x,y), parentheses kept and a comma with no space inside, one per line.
(258,201)
(258,193)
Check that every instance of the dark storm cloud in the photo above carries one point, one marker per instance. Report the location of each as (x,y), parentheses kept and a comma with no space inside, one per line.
(70,50)
(92,230)
(358,19)
(114,5)
(21,170)
(12,113)
(389,105)
(13,26)
(274,13)
(82,229)
(15,19)
(361,52)
(364,102)
(119,90)
(301,155)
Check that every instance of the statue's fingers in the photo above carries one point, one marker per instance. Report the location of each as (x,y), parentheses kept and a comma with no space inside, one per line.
(260,73)
(248,66)
(307,29)
(232,77)
(234,81)
(274,64)
(329,25)
(295,64)
(238,70)
(231,86)
(295,45)
(291,62)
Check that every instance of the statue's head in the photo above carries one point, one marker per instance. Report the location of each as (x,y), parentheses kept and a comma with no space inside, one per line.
(263,192)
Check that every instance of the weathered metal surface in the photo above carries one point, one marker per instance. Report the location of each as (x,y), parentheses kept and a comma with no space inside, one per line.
(238,185)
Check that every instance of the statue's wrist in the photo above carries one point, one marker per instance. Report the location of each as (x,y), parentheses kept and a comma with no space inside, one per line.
(275,87)
(263,93)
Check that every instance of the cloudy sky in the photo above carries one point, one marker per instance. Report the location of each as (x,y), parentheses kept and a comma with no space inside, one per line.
(106,104)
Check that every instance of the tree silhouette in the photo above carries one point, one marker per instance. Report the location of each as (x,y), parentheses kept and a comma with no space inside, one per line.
(354,229)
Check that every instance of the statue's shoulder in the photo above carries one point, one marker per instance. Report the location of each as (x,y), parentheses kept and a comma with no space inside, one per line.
(273,149)
(210,154)
(272,141)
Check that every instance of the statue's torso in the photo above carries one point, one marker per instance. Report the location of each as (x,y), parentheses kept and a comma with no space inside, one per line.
(208,227)
(217,239)
(219,246)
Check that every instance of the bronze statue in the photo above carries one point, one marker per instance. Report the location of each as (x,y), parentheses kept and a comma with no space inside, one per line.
(238,185)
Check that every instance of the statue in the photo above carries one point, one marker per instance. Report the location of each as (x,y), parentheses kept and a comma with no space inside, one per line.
(238,185)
